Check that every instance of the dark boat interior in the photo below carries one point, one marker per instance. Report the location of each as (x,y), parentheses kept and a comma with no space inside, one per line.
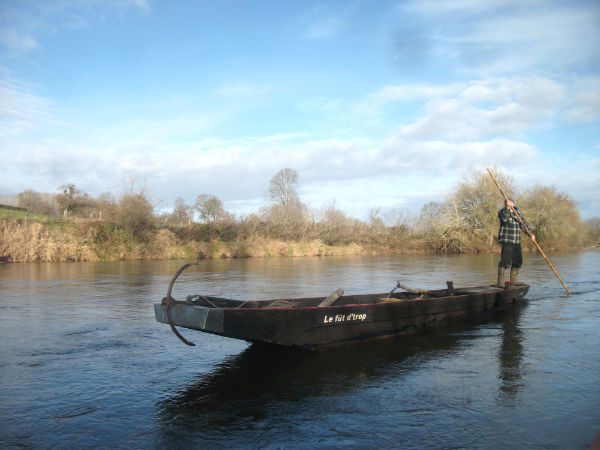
(335,299)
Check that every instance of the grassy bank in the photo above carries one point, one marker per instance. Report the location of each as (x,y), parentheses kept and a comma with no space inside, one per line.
(26,239)
(79,227)
(17,214)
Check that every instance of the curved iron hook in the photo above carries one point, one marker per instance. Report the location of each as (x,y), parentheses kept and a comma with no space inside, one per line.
(170,301)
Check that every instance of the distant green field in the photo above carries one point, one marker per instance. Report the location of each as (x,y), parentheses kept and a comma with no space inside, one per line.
(17,214)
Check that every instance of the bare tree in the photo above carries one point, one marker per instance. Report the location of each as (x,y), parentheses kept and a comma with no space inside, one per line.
(377,227)
(107,206)
(250,226)
(400,226)
(282,188)
(592,231)
(30,200)
(335,226)
(136,213)
(288,221)
(210,208)
(73,200)
(288,215)
(182,213)
(477,201)
(442,227)
(553,217)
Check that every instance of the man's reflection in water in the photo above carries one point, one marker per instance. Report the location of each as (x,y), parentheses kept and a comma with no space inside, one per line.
(510,357)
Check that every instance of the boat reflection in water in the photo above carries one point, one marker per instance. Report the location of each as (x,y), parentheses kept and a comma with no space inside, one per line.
(266,387)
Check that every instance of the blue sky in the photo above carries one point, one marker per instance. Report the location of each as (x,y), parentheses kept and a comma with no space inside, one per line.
(385,104)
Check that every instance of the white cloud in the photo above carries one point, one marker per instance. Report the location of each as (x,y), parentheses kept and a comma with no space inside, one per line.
(26,24)
(434,7)
(239,170)
(443,157)
(573,174)
(584,106)
(359,174)
(560,38)
(502,37)
(461,127)
(21,110)
(474,110)
(405,92)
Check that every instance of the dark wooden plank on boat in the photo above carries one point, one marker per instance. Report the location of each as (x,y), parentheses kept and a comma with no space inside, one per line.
(332,298)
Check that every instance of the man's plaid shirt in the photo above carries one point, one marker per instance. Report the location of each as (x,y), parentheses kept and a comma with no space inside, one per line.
(509,226)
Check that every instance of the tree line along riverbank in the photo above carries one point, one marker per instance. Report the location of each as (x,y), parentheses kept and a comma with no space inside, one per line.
(24,240)
(73,226)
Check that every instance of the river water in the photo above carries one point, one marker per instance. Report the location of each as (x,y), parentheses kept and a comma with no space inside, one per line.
(84,364)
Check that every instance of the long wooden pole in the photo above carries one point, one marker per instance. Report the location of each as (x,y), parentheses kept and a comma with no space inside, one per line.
(529,233)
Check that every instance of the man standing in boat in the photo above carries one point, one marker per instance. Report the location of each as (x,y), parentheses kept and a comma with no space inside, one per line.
(511,224)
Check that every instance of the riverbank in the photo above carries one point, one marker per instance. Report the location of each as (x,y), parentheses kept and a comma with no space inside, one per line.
(29,240)
(35,240)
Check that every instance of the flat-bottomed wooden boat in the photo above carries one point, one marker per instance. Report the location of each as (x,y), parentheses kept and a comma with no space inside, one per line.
(321,322)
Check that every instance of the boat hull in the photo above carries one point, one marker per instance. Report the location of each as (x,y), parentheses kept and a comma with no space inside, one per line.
(314,327)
